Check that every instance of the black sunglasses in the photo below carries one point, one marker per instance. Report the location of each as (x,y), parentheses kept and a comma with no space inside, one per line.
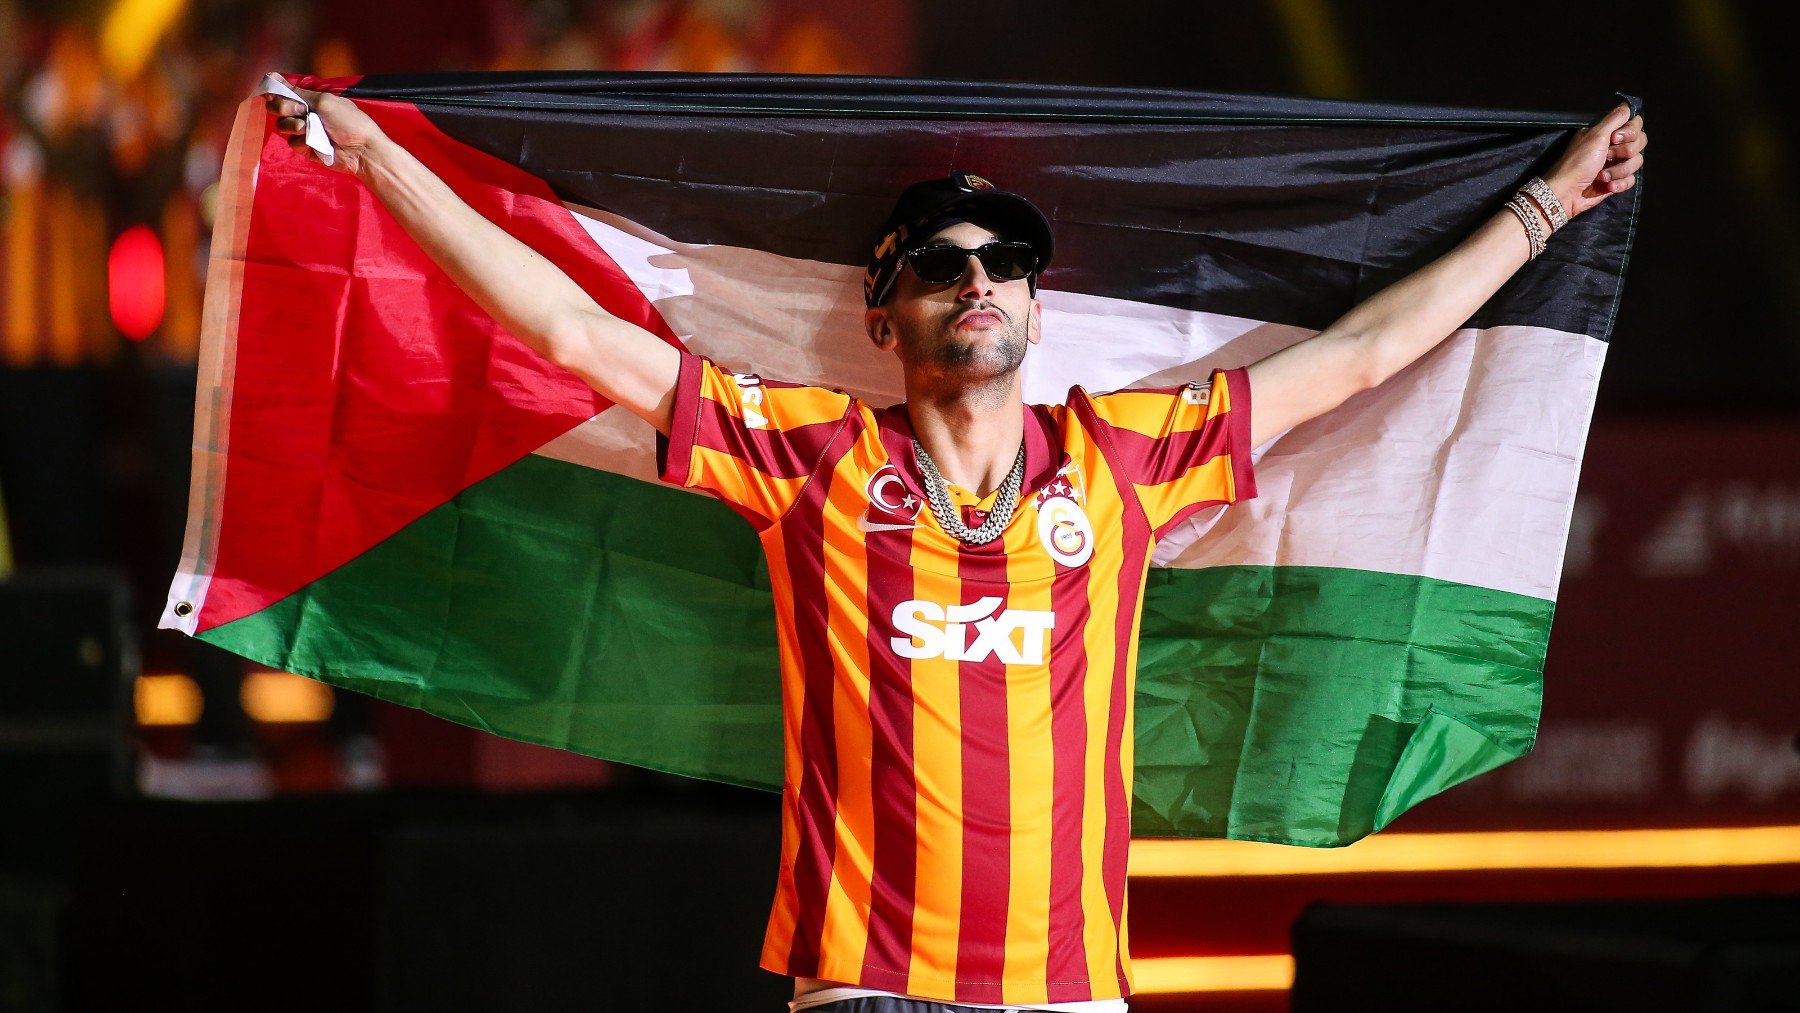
(943,265)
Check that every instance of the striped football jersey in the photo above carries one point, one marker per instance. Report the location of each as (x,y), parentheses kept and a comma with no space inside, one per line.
(956,801)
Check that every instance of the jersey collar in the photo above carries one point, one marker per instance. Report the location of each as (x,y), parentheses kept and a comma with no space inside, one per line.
(1044,455)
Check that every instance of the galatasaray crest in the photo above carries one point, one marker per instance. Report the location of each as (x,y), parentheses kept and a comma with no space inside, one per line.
(1062,524)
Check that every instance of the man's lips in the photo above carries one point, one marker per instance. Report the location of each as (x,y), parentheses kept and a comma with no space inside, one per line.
(978,318)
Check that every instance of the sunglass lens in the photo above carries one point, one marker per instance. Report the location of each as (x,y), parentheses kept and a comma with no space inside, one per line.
(939,265)
(1007,261)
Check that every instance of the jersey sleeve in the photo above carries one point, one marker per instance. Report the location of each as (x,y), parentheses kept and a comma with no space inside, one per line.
(1182,448)
(751,441)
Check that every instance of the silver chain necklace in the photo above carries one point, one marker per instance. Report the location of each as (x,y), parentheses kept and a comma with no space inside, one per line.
(946,513)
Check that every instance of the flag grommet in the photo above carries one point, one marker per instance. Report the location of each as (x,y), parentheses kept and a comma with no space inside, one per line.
(183,609)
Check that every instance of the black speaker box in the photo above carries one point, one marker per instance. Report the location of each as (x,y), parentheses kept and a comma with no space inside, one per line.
(423,901)
(661,909)
(1707,955)
(67,660)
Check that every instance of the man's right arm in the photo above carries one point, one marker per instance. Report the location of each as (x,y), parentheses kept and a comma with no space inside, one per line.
(525,293)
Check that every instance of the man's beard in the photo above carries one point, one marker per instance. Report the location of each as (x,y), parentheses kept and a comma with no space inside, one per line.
(979,359)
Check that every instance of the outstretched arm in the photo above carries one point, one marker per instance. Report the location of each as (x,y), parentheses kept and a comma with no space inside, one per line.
(1390,329)
(529,296)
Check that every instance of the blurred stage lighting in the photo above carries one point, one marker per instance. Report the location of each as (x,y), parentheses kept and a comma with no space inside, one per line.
(281,697)
(131,32)
(167,699)
(134,282)
(1272,972)
(1688,847)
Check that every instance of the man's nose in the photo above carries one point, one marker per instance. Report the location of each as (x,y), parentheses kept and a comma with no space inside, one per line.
(975,281)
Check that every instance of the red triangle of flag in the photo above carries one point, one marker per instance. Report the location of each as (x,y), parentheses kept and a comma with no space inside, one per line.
(367,388)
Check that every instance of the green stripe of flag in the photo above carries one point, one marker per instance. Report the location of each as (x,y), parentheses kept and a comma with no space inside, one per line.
(594,612)
(1269,705)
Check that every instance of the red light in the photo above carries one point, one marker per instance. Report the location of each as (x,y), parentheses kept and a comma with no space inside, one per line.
(134,280)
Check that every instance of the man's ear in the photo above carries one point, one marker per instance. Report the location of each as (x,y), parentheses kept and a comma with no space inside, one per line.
(1034,322)
(880,328)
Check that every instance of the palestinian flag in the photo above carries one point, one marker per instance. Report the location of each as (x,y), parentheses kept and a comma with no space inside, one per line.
(396,497)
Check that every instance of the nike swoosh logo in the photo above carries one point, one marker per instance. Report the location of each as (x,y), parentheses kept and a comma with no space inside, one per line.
(864,524)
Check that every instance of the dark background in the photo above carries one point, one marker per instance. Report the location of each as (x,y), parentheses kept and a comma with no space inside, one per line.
(1712,297)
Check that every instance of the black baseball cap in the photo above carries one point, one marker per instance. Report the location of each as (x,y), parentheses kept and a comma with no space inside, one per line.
(928,206)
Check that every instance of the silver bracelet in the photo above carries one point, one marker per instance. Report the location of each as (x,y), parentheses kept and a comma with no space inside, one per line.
(1553,209)
(1534,225)
(1534,229)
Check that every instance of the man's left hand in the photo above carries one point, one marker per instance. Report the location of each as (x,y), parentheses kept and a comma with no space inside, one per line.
(1603,159)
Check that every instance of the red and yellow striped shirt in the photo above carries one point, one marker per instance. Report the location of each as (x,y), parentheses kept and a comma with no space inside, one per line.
(956,801)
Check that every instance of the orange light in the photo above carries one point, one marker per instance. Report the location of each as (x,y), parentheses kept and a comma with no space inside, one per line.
(1272,972)
(1693,847)
(275,697)
(130,32)
(134,282)
(169,699)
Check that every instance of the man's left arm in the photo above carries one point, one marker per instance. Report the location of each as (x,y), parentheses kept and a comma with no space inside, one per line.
(1390,329)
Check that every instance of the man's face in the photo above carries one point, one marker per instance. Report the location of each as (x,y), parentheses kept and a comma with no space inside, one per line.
(974,329)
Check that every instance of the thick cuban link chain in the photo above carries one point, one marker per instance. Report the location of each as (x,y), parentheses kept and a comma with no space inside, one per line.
(1004,504)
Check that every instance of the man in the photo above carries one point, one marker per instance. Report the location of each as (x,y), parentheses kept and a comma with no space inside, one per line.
(957,579)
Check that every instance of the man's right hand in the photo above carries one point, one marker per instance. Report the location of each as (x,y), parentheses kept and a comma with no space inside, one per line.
(353,134)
